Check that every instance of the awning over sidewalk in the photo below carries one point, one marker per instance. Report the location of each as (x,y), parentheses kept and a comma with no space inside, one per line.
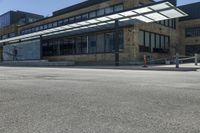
(145,14)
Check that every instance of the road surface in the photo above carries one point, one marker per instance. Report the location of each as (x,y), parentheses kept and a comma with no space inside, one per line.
(67,100)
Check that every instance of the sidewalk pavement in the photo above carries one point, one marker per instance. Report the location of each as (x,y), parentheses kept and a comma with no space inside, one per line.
(183,67)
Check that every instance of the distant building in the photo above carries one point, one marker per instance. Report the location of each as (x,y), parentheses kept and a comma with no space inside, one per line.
(18,17)
(10,21)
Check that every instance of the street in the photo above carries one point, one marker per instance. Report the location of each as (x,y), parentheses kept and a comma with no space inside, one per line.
(72,100)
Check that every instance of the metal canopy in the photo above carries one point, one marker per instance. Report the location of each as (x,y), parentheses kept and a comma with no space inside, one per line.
(146,14)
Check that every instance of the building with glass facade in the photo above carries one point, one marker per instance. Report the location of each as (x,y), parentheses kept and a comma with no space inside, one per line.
(10,21)
(18,17)
(87,32)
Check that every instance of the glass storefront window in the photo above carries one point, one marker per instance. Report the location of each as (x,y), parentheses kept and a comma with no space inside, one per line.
(84,45)
(141,37)
(109,42)
(92,44)
(162,41)
(78,45)
(67,46)
(96,43)
(167,42)
(147,39)
(100,43)
(157,41)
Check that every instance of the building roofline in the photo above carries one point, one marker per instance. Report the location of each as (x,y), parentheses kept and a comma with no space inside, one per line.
(21,12)
(30,13)
(78,6)
(55,15)
(72,8)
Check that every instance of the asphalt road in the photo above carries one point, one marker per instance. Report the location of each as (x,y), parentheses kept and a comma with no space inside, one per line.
(53,100)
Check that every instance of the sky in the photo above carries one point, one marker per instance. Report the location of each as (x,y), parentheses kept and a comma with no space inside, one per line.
(46,7)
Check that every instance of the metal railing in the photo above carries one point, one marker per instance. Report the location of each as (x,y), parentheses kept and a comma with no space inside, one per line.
(177,60)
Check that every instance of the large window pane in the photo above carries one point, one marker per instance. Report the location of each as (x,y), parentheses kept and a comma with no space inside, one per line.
(78,45)
(100,43)
(5,20)
(109,42)
(84,45)
(147,39)
(162,40)
(167,23)
(157,41)
(170,23)
(67,46)
(92,43)
(167,42)
(192,32)
(141,36)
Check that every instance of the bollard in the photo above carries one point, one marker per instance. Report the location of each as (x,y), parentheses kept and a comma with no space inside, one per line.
(177,60)
(145,61)
(196,59)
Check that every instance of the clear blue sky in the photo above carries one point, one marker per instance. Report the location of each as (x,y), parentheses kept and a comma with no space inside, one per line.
(46,7)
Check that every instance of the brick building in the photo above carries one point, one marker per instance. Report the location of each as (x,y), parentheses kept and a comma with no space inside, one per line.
(47,39)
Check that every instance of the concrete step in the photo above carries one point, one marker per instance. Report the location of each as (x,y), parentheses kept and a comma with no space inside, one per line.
(37,63)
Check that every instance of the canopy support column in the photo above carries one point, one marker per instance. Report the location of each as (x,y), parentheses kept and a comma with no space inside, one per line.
(116,40)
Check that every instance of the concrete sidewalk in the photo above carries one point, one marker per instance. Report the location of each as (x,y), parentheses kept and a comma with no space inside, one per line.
(183,67)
